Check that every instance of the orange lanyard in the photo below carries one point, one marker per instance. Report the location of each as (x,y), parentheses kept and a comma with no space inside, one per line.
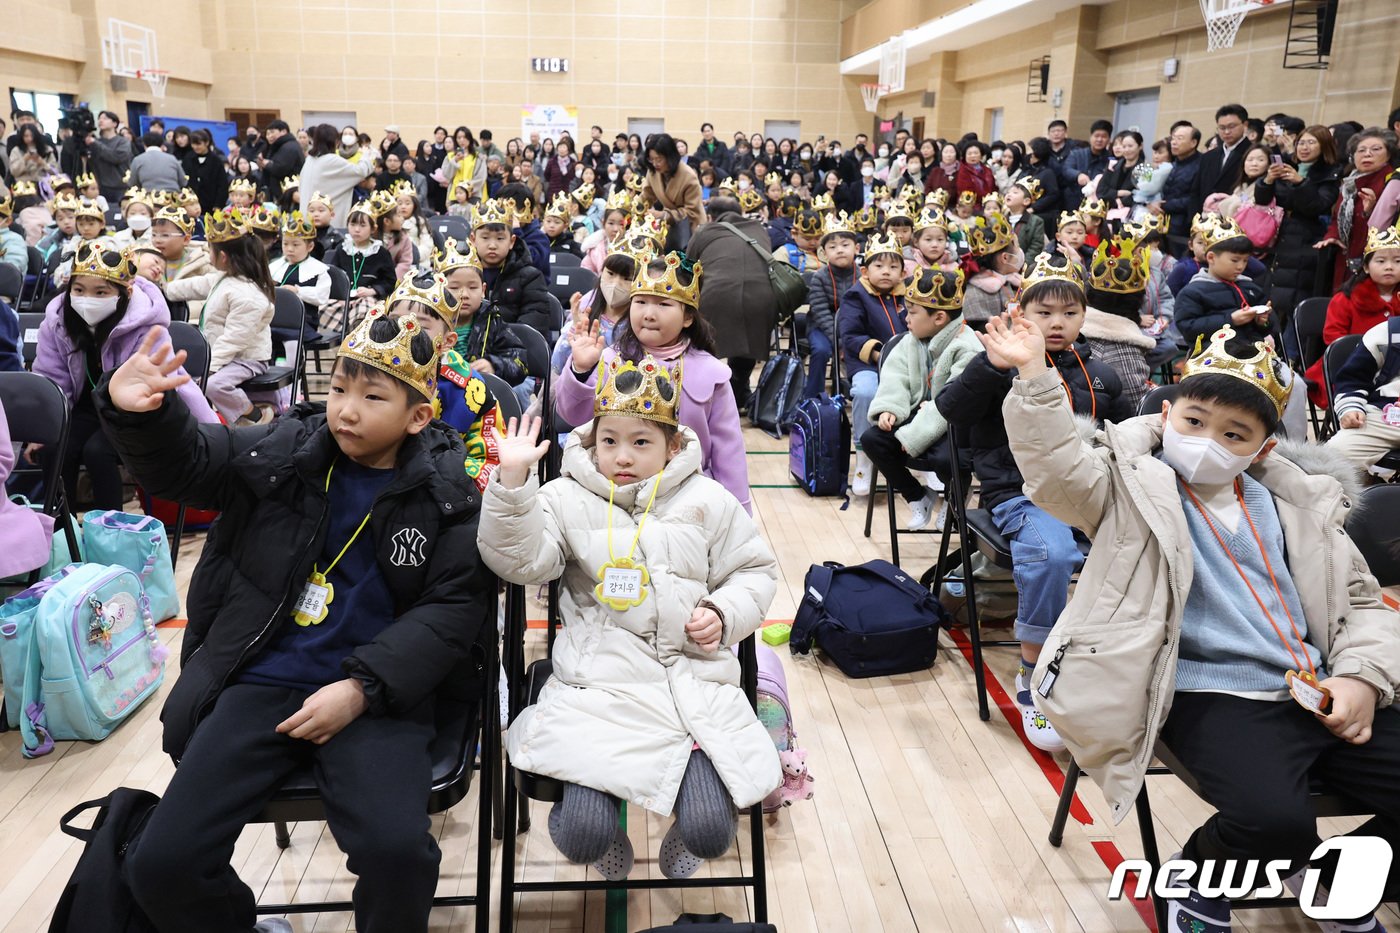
(881,299)
(1088,384)
(1239,291)
(1239,494)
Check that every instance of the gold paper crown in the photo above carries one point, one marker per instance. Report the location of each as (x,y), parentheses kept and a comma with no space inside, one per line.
(90,209)
(1260,370)
(7,206)
(428,289)
(936,289)
(382,203)
(67,201)
(938,197)
(1139,230)
(967,198)
(1387,238)
(558,207)
(878,245)
(187,196)
(500,211)
(987,235)
(394,357)
(455,254)
(866,219)
(158,199)
(668,284)
(85,180)
(898,211)
(635,184)
(650,226)
(584,195)
(292,182)
(24,189)
(243,185)
(1214,228)
(59,181)
(913,199)
(1119,267)
(729,187)
(402,187)
(135,192)
(620,200)
(298,226)
(1073,217)
(750,201)
(106,262)
(931,217)
(642,249)
(177,216)
(1032,186)
(807,223)
(644,390)
(321,199)
(1094,209)
(264,218)
(879,192)
(1052,267)
(225,225)
(837,222)
(823,202)
(991,201)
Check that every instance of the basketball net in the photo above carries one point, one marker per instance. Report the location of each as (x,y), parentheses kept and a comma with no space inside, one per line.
(871,94)
(1223,19)
(157,79)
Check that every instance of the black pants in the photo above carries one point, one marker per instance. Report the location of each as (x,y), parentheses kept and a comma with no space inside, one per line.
(740,378)
(89,447)
(374,776)
(885,451)
(1252,759)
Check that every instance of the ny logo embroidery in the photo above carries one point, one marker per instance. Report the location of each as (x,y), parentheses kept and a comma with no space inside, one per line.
(408,548)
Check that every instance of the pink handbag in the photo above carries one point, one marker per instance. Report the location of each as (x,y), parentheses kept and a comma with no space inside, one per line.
(1260,223)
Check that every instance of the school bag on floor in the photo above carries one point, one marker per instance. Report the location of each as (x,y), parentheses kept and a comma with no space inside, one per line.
(96,898)
(138,543)
(93,658)
(16,632)
(775,713)
(779,389)
(870,619)
(819,440)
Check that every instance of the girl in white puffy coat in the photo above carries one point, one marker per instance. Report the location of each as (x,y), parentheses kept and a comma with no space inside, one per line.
(663,571)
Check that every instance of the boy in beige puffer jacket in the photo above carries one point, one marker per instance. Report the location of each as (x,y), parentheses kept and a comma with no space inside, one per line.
(1221,589)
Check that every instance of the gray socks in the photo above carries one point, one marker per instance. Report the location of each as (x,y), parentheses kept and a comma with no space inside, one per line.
(583,824)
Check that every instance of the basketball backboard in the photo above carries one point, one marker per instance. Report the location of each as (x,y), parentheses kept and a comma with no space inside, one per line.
(128,48)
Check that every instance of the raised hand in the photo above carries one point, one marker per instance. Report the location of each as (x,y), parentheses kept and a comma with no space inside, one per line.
(519,449)
(585,343)
(1012,342)
(141,382)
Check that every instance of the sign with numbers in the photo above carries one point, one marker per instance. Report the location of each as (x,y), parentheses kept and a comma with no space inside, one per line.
(550,65)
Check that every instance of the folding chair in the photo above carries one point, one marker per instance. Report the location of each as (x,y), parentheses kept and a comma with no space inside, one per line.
(11,283)
(37,413)
(187,337)
(326,341)
(29,322)
(563,261)
(1151,403)
(463,727)
(565,280)
(556,318)
(1309,319)
(1373,529)
(33,279)
(288,316)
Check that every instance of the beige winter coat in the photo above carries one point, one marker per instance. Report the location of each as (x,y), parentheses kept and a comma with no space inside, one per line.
(1116,642)
(237,318)
(630,696)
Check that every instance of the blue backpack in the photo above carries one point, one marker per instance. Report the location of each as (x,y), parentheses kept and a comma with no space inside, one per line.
(819,439)
(93,657)
(871,619)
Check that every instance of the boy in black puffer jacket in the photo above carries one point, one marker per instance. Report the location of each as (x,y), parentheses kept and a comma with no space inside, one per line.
(339,596)
(1044,550)
(513,283)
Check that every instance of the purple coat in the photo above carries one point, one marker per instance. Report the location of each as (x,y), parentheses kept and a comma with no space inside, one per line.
(59,359)
(25,534)
(707,408)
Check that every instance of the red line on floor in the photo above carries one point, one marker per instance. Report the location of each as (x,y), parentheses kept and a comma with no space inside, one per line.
(1108,851)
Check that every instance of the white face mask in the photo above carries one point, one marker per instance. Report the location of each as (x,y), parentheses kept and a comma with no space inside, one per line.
(1201,459)
(744,184)
(349,139)
(612,174)
(884,152)
(616,294)
(867,172)
(94,310)
(139,223)
(806,154)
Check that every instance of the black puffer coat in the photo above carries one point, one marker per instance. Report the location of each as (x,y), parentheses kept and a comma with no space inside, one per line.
(521,294)
(1295,262)
(269,485)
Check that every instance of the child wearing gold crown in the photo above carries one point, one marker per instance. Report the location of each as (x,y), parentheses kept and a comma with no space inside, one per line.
(1370,297)
(13,249)
(514,284)
(237,318)
(1044,550)
(555,227)
(597,246)
(839,246)
(664,322)
(1367,392)
(322,214)
(482,338)
(662,573)
(611,299)
(297,269)
(1118,279)
(345,592)
(93,326)
(138,214)
(365,262)
(1226,614)
(63,238)
(1221,293)
(999,262)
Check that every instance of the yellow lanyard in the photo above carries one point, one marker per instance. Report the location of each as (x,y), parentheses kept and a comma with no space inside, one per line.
(636,537)
(363,523)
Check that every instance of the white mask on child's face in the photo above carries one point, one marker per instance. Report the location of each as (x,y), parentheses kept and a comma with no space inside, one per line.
(349,139)
(139,223)
(94,310)
(1201,459)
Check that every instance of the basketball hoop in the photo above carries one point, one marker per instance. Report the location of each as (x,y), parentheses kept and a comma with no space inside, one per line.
(1223,19)
(156,78)
(871,94)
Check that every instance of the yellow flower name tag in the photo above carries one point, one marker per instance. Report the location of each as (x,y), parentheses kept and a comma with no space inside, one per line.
(622,584)
(310,608)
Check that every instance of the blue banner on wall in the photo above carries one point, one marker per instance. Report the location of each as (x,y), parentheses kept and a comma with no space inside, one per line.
(221,130)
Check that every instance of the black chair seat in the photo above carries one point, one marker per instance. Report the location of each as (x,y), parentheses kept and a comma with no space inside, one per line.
(537,786)
(276,377)
(989,541)
(323,341)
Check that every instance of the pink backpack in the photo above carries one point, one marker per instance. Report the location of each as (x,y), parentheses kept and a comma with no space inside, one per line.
(776,716)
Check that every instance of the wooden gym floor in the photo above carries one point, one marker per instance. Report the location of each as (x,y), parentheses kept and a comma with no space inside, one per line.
(925,818)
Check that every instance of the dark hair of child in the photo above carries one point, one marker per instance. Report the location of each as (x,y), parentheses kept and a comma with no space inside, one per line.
(608,214)
(701,335)
(1231,391)
(247,259)
(1058,291)
(989,261)
(285,204)
(898,222)
(383,330)
(617,264)
(1116,303)
(1236,244)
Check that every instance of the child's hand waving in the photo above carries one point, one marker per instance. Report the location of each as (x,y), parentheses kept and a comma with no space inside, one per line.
(1012,342)
(141,382)
(585,342)
(705,628)
(518,450)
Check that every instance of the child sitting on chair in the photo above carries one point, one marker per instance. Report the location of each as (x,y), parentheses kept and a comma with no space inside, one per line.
(1226,596)
(663,572)
(338,597)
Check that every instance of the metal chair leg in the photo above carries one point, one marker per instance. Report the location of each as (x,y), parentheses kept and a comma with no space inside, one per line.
(1148,832)
(894,530)
(282,835)
(1057,827)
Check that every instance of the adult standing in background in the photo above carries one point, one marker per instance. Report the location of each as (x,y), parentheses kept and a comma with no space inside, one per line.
(32,158)
(1306,191)
(110,156)
(391,143)
(675,190)
(464,165)
(1061,145)
(1371,158)
(282,160)
(207,174)
(328,172)
(1221,166)
(714,150)
(429,164)
(1084,164)
(155,169)
(559,169)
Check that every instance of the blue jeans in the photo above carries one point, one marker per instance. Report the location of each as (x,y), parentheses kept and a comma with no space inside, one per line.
(863,386)
(1044,555)
(524,391)
(818,361)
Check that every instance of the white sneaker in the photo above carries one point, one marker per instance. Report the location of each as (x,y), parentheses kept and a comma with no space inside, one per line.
(941,517)
(921,512)
(865,472)
(1038,730)
(930,480)
(272,925)
(1294,883)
